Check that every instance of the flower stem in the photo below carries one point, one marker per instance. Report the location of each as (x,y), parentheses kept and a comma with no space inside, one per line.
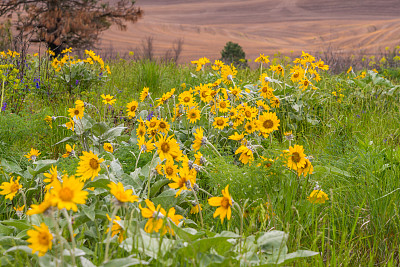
(109,233)
(71,232)
(204,191)
(2,94)
(137,160)
(148,185)
(198,204)
(58,236)
(213,147)
(24,199)
(241,222)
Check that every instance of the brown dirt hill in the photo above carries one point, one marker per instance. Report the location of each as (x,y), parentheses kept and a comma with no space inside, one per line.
(261,26)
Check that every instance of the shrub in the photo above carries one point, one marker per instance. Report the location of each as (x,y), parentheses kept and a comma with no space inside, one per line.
(233,54)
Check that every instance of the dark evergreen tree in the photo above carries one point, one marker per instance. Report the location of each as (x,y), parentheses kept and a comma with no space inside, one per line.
(233,54)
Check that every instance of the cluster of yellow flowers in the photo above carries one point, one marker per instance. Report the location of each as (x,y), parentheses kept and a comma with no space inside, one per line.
(298,161)
(206,108)
(65,192)
(9,53)
(68,60)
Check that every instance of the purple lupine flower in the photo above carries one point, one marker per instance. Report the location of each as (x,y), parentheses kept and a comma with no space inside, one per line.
(150,116)
(3,108)
(37,83)
(76,82)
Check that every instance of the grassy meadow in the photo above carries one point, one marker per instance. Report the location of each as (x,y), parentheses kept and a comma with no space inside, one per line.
(151,163)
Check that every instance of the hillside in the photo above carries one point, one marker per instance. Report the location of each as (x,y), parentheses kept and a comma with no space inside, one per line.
(261,26)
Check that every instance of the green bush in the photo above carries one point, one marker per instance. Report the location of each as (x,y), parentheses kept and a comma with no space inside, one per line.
(233,54)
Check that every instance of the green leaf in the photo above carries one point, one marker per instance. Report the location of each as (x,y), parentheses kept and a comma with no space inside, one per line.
(23,248)
(69,138)
(157,186)
(338,171)
(134,179)
(82,125)
(10,166)
(143,114)
(187,234)
(42,166)
(219,244)
(10,241)
(285,258)
(116,168)
(23,234)
(145,171)
(167,198)
(19,224)
(77,252)
(99,183)
(272,241)
(148,245)
(86,263)
(228,234)
(4,230)
(125,262)
(89,212)
(122,138)
(112,133)
(100,128)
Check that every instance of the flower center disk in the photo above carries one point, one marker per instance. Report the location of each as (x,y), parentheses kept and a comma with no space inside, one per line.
(94,164)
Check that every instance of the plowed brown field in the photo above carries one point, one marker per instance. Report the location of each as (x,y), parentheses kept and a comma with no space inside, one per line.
(261,26)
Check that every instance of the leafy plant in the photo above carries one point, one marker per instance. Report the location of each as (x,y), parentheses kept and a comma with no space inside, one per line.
(233,53)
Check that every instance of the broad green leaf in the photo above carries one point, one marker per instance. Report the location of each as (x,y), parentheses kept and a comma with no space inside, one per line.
(209,259)
(125,262)
(47,260)
(10,166)
(134,179)
(77,252)
(10,241)
(100,128)
(167,198)
(228,234)
(82,125)
(285,258)
(112,133)
(43,165)
(155,188)
(69,138)
(143,114)
(19,224)
(86,263)
(4,230)
(149,245)
(23,248)
(99,183)
(23,234)
(219,244)
(89,212)
(116,168)
(145,171)
(187,234)
(272,241)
